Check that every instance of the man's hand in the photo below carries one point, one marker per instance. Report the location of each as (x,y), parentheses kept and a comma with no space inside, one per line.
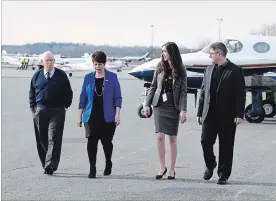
(146,111)
(237,120)
(183,117)
(33,109)
(117,119)
(199,120)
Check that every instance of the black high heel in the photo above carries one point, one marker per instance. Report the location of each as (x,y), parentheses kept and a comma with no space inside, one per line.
(172,177)
(161,176)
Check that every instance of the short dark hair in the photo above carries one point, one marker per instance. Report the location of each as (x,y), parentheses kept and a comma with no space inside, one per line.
(99,56)
(219,46)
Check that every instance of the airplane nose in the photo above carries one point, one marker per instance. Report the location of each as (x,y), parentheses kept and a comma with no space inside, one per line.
(135,73)
(144,71)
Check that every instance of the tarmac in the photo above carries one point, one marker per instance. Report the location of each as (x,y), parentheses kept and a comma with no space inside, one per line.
(135,160)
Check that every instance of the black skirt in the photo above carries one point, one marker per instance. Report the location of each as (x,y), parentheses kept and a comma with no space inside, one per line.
(99,130)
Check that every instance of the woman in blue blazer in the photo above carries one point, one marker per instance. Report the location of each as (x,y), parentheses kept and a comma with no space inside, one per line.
(99,109)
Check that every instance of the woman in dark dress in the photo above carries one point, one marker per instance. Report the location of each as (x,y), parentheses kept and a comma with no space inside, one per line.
(168,96)
(99,110)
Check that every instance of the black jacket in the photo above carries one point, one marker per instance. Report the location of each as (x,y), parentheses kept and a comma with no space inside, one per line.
(230,96)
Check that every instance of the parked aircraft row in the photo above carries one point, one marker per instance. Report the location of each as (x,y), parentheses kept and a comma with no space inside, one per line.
(254,54)
(70,65)
(112,63)
(34,60)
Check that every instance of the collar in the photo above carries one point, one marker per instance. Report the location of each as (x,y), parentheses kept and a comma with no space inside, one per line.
(223,65)
(51,71)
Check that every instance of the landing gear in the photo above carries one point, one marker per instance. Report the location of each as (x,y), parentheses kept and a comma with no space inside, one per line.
(143,97)
(253,119)
(261,108)
(269,108)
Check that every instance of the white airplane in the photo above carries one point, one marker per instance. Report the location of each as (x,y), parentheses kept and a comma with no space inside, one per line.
(128,59)
(7,58)
(10,60)
(254,54)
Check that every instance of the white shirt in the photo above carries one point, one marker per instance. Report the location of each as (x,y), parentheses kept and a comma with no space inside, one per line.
(51,73)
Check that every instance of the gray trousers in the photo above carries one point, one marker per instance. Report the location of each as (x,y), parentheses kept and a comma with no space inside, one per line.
(49,125)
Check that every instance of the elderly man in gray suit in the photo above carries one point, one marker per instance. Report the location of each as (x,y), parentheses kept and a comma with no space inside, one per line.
(221,109)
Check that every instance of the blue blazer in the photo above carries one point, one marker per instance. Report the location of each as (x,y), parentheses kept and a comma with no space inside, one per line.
(112,97)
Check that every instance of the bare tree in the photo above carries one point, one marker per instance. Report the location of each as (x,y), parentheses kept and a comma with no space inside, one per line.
(203,43)
(266,30)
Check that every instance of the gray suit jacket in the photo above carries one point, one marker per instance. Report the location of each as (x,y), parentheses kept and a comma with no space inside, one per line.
(204,98)
(179,90)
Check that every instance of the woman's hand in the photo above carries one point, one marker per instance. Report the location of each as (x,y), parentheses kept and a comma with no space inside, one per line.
(146,111)
(79,122)
(183,117)
(117,119)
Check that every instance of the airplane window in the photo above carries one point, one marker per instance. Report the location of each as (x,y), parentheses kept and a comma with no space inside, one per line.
(261,47)
(233,46)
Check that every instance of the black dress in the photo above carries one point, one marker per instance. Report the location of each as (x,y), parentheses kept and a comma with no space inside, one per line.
(96,125)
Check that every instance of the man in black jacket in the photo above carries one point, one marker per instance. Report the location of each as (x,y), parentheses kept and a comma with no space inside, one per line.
(221,109)
(49,96)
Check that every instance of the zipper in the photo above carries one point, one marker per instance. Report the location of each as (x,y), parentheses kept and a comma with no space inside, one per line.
(219,85)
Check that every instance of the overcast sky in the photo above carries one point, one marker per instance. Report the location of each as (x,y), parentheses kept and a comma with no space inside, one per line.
(129,22)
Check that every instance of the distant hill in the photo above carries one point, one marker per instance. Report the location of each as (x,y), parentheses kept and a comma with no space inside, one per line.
(78,49)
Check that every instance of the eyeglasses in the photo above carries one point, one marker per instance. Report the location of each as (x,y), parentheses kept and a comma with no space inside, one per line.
(49,60)
(211,53)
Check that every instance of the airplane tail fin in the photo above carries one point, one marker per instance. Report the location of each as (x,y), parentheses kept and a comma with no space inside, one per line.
(147,54)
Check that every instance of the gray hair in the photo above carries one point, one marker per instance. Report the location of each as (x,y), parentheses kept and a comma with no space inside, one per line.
(42,56)
(220,47)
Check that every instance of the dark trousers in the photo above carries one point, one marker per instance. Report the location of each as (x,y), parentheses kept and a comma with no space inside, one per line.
(49,125)
(225,129)
(22,65)
(26,65)
(104,133)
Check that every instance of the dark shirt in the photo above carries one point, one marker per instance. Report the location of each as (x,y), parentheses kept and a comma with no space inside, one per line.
(215,82)
(53,93)
(167,85)
(97,111)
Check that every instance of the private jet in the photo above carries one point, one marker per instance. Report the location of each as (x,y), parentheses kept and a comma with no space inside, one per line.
(254,54)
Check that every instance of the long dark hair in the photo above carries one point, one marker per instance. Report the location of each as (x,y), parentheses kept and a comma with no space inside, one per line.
(175,57)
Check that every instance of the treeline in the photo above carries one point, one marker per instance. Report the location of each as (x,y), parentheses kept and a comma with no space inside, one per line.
(78,49)
(266,30)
